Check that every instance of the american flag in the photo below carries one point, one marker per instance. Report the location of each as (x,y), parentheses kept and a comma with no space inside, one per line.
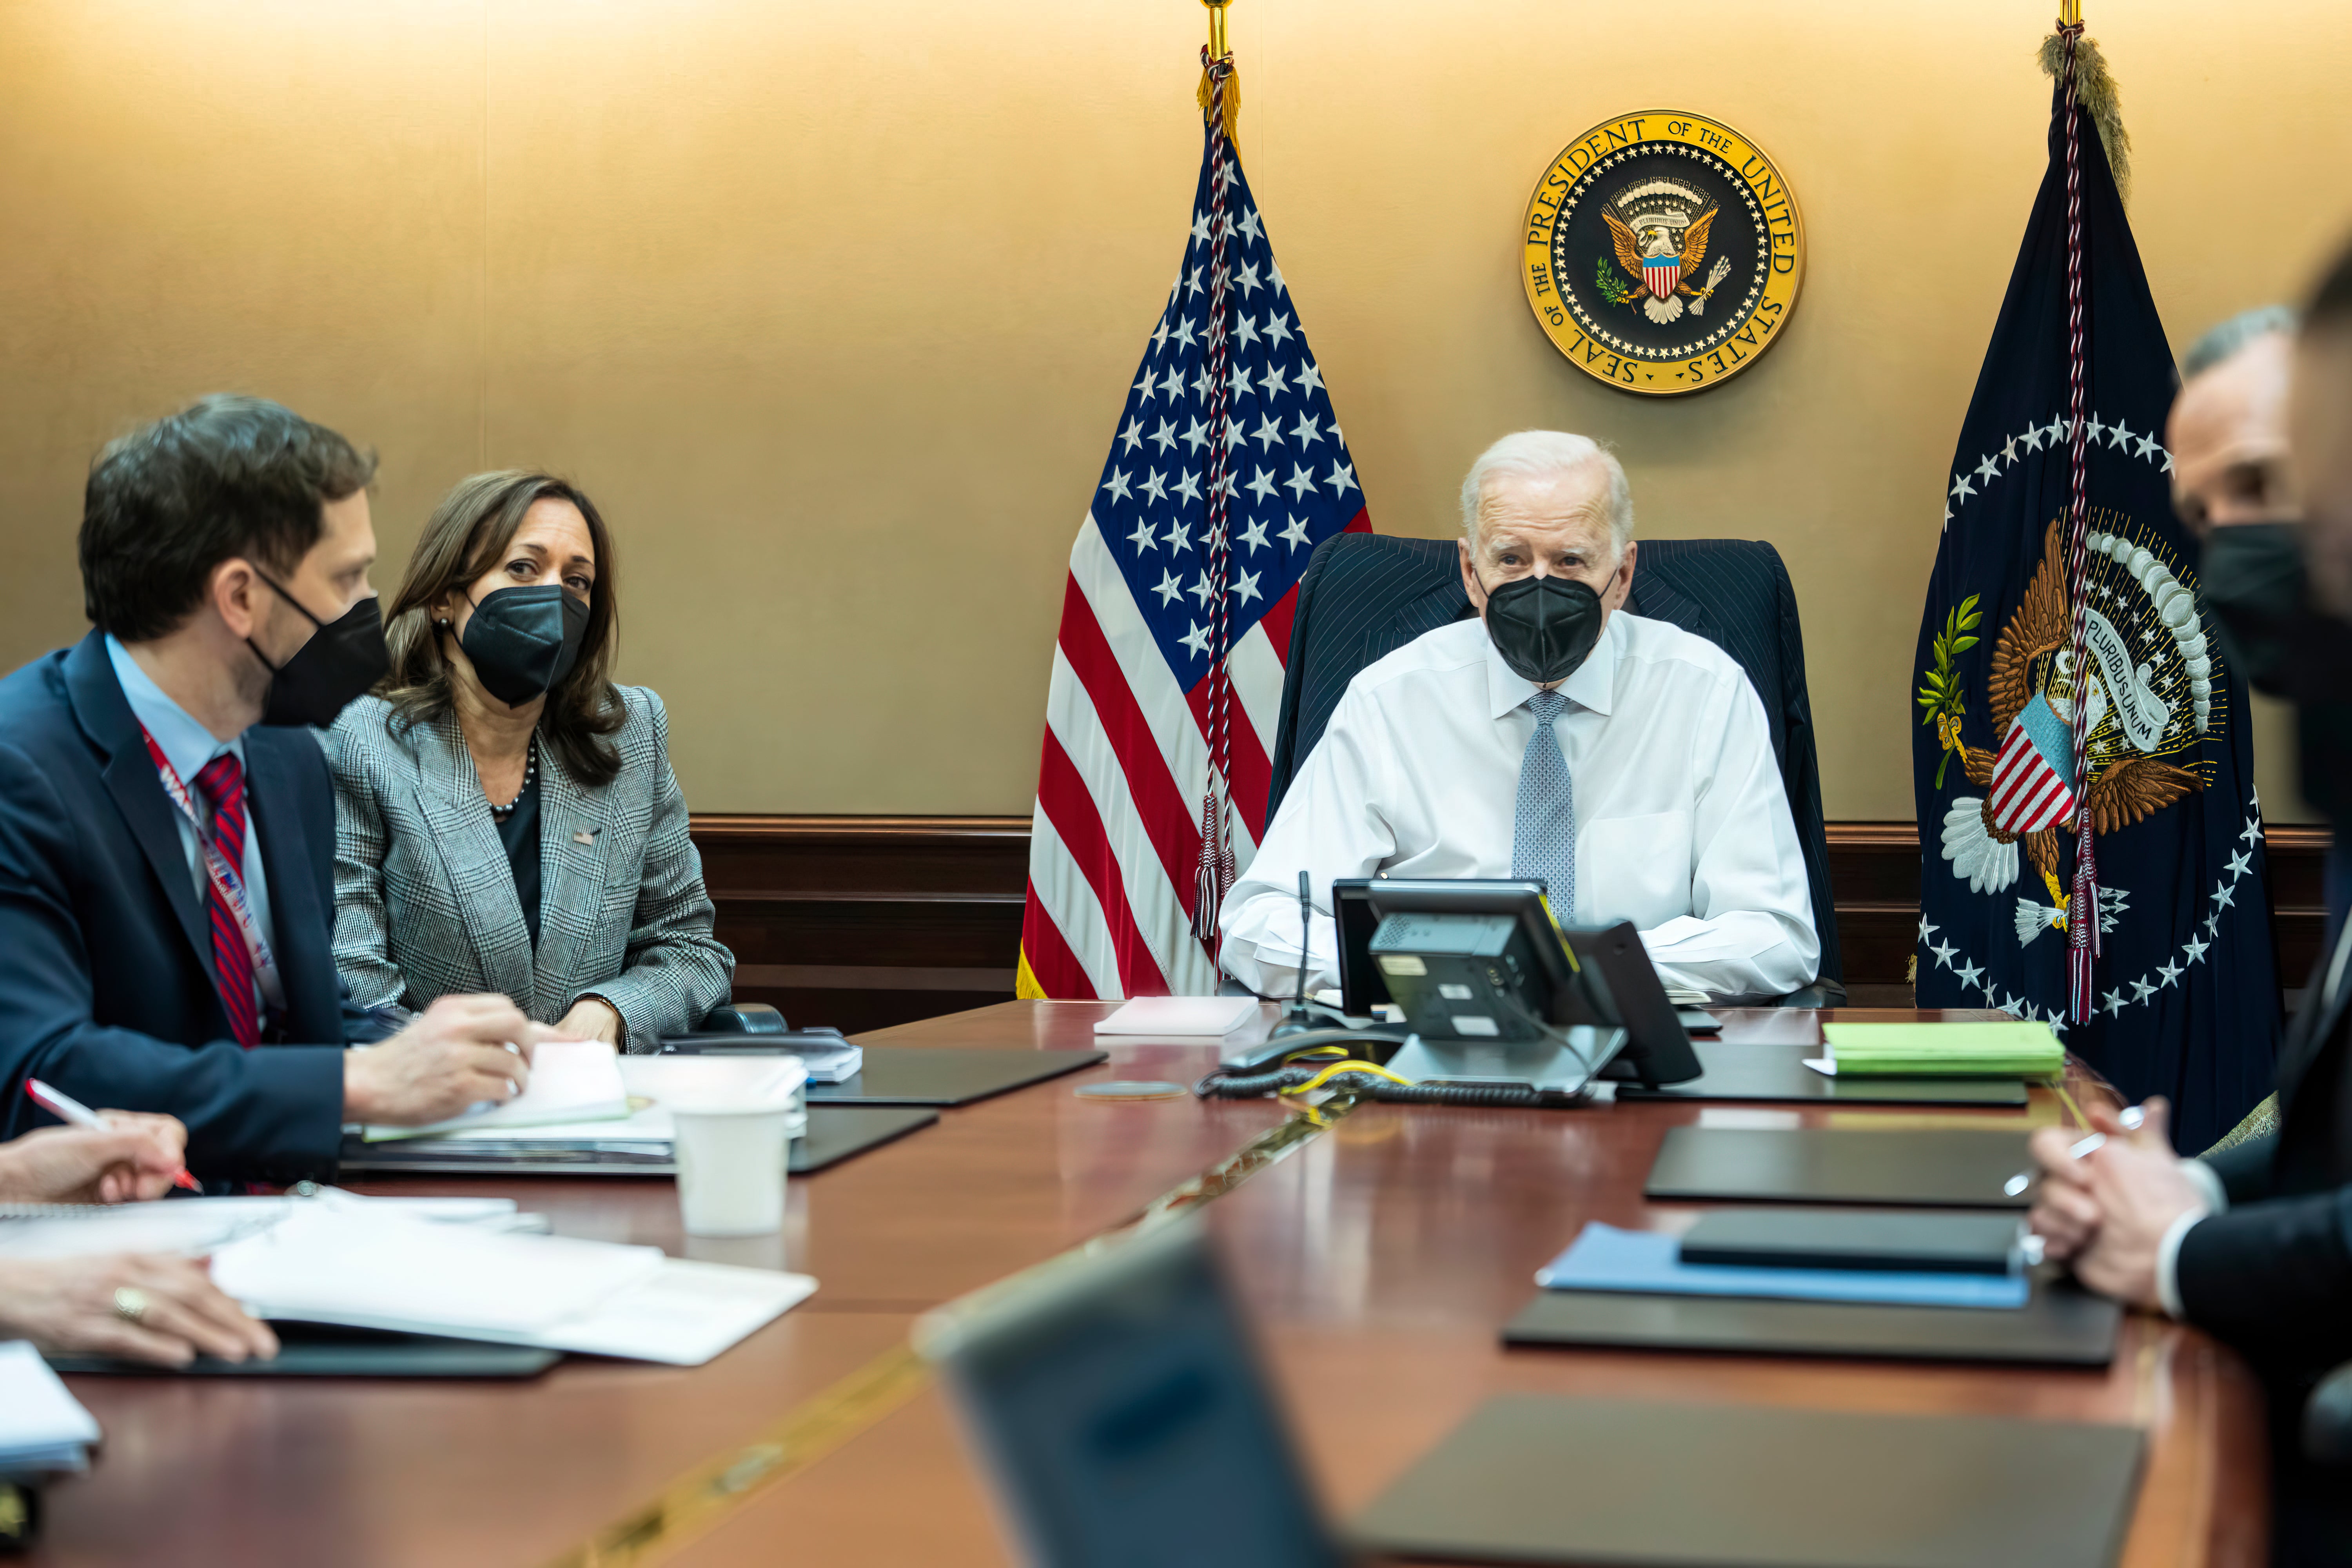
(1132,716)
(2030,787)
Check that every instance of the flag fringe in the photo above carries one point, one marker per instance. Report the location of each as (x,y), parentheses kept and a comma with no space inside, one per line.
(2095,90)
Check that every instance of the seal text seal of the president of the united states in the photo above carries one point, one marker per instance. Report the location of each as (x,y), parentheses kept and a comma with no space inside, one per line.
(1663,252)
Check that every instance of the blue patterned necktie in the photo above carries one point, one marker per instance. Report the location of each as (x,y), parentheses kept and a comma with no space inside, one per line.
(1543,839)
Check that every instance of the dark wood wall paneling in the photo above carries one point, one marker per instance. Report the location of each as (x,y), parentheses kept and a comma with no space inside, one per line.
(863,922)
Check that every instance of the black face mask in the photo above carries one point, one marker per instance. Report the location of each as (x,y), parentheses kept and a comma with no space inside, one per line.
(1544,626)
(2256,586)
(523,641)
(343,657)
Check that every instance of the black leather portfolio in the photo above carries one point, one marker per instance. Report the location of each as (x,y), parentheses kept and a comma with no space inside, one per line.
(1916,1241)
(934,1075)
(1732,1069)
(322,1350)
(1540,1479)
(837,1132)
(1930,1167)
(2062,1325)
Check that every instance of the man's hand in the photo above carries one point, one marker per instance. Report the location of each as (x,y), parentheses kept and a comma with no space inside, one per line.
(132,1158)
(68,1305)
(591,1018)
(2066,1214)
(458,1052)
(2108,1211)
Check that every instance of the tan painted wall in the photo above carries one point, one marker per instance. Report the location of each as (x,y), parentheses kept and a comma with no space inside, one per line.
(833,306)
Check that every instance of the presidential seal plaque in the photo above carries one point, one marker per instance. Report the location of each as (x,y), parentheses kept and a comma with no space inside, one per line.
(1664,252)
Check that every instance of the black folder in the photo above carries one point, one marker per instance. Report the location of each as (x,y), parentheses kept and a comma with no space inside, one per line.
(1930,1167)
(1760,1070)
(1913,1241)
(2061,1325)
(936,1075)
(327,1350)
(1538,1479)
(837,1132)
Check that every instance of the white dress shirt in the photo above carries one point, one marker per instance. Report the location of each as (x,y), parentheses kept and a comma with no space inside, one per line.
(1682,826)
(188,746)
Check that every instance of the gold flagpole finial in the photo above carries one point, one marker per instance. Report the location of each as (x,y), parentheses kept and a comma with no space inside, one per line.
(2070,13)
(1217,26)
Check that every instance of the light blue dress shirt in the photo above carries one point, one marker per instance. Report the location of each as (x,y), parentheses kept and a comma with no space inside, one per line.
(188,746)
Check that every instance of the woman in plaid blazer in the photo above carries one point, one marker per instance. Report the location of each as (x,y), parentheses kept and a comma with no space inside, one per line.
(506,816)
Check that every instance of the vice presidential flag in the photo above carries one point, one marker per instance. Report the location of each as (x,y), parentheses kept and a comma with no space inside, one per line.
(2182,988)
(1228,406)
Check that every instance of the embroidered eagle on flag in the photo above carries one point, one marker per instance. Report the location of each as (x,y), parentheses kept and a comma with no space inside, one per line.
(1660,236)
(2029,782)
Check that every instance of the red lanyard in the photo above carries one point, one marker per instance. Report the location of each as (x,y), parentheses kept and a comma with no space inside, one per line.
(224,877)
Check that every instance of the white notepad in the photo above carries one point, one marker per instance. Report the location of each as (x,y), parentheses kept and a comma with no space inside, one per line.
(42,1428)
(1214,1016)
(571,1080)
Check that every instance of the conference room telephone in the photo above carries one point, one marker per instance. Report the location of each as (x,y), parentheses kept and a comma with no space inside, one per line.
(1501,1006)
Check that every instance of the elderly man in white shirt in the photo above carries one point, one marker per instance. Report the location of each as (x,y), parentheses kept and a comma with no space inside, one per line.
(1624,761)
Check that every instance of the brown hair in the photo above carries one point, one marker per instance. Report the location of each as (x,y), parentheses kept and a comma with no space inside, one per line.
(465,537)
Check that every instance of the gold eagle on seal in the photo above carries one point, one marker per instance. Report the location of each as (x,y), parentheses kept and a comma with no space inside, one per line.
(1660,236)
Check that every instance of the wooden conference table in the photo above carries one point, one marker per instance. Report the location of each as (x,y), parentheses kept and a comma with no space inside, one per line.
(1378,1258)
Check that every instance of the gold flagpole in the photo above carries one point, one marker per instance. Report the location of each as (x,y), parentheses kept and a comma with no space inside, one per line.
(1218,51)
(2070,13)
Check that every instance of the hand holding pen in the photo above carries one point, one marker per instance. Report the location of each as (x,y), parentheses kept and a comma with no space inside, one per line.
(120,1157)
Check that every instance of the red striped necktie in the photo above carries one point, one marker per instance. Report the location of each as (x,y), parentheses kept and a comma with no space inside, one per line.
(220,787)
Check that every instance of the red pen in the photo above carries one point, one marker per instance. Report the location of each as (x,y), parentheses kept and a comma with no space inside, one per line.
(65,1108)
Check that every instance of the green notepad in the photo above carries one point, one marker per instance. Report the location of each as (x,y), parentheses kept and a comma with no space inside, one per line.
(1972,1050)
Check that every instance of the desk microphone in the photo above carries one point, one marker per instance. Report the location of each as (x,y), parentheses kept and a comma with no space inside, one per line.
(1298,1020)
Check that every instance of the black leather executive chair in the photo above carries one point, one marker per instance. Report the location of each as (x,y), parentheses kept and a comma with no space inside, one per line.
(1366,594)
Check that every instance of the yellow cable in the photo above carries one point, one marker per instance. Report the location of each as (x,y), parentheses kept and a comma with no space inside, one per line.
(1339,1067)
(2068,1100)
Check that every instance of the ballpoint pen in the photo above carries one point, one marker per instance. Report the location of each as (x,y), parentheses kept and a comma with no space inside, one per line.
(2131,1116)
(65,1108)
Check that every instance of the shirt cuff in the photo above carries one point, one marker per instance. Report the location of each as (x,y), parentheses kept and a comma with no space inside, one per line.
(2168,1262)
(2207,1183)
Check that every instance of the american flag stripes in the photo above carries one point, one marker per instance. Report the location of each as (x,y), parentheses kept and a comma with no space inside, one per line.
(2030,788)
(1131,715)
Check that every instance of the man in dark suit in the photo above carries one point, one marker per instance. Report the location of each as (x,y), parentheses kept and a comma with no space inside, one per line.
(167,855)
(2254,1244)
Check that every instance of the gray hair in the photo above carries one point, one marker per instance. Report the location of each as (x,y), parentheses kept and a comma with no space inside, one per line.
(1539,454)
(2223,343)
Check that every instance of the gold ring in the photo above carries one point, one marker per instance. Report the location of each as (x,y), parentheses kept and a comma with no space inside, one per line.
(129,1303)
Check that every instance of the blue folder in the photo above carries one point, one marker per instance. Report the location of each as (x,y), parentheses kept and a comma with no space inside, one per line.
(1648,1262)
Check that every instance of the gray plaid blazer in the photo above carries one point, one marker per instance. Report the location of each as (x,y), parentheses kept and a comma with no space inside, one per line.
(425,905)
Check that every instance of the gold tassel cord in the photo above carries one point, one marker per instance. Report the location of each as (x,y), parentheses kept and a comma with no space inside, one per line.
(1232,104)
(2095,90)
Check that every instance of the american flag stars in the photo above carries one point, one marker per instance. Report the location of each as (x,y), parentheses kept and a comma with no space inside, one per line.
(1290,480)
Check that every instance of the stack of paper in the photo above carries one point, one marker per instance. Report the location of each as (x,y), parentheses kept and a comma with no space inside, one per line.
(571,1080)
(42,1428)
(1949,1050)
(1213,1016)
(656,1086)
(387,1272)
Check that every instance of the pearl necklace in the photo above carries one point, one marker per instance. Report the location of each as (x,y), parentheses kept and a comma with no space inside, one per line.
(529,773)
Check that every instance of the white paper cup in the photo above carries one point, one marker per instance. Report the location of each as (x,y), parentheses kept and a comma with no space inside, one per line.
(730,1169)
